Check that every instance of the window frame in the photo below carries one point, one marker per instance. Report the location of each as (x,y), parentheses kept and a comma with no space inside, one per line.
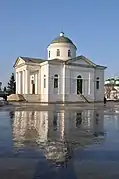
(97,83)
(69,53)
(58,53)
(56,81)
(44,81)
(49,54)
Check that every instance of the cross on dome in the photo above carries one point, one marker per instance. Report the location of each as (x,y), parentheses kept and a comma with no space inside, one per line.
(61,34)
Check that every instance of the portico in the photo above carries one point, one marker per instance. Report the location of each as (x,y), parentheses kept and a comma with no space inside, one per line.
(22,81)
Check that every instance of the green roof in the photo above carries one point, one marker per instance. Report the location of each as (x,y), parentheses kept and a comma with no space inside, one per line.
(62,39)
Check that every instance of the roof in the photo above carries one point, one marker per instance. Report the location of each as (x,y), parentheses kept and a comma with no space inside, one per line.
(29,60)
(89,63)
(32,60)
(62,39)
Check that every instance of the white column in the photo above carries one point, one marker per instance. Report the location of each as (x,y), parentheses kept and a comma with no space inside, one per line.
(23,82)
(63,83)
(27,81)
(36,83)
(19,83)
(16,82)
(17,91)
(89,84)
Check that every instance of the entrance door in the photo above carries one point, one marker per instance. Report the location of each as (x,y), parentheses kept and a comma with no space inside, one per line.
(79,84)
(33,87)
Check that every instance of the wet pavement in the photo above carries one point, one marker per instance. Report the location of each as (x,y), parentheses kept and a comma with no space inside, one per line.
(54,142)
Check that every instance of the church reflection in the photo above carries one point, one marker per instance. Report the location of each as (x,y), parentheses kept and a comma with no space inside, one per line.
(57,133)
(78,119)
(98,124)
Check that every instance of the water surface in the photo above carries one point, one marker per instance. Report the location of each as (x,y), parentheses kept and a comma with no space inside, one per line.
(79,143)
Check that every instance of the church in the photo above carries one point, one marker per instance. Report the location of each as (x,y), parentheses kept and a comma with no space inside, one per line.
(62,77)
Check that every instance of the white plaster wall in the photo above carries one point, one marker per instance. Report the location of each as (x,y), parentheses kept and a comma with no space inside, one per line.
(99,93)
(44,91)
(55,94)
(67,90)
(63,47)
(72,72)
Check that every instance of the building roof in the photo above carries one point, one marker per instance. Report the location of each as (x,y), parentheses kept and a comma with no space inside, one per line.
(62,39)
(29,60)
(87,63)
(32,60)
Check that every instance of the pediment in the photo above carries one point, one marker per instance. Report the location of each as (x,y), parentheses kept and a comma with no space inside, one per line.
(19,62)
(81,60)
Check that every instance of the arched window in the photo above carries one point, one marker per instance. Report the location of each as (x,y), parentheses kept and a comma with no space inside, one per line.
(49,54)
(79,84)
(56,81)
(58,53)
(69,53)
(44,81)
(97,83)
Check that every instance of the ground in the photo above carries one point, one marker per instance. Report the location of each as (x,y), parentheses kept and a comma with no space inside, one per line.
(90,146)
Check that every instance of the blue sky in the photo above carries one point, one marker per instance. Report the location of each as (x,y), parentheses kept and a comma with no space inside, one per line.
(28,26)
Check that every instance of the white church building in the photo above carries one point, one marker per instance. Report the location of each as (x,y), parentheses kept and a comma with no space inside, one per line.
(62,77)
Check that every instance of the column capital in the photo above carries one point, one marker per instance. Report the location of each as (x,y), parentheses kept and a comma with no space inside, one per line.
(27,68)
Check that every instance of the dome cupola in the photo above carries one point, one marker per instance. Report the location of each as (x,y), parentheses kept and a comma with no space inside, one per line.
(117,82)
(61,48)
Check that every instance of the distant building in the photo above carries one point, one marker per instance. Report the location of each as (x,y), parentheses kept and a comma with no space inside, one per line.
(112,88)
(62,77)
(0,86)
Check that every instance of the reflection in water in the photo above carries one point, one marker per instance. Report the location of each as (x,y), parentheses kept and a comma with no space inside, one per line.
(57,133)
(55,121)
(98,124)
(78,119)
(11,114)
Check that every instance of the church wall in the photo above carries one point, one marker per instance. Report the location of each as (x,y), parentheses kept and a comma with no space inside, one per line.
(55,94)
(99,93)
(69,93)
(87,75)
(63,51)
(44,76)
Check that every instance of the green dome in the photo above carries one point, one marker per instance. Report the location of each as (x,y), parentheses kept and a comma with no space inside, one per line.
(62,39)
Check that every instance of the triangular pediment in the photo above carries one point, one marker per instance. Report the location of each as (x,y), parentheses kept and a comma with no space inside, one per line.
(19,61)
(81,60)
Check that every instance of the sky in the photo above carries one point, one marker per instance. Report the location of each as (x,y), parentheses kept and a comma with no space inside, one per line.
(28,26)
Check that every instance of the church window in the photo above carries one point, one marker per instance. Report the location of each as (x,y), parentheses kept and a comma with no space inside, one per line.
(44,81)
(56,81)
(97,83)
(49,54)
(58,52)
(69,53)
